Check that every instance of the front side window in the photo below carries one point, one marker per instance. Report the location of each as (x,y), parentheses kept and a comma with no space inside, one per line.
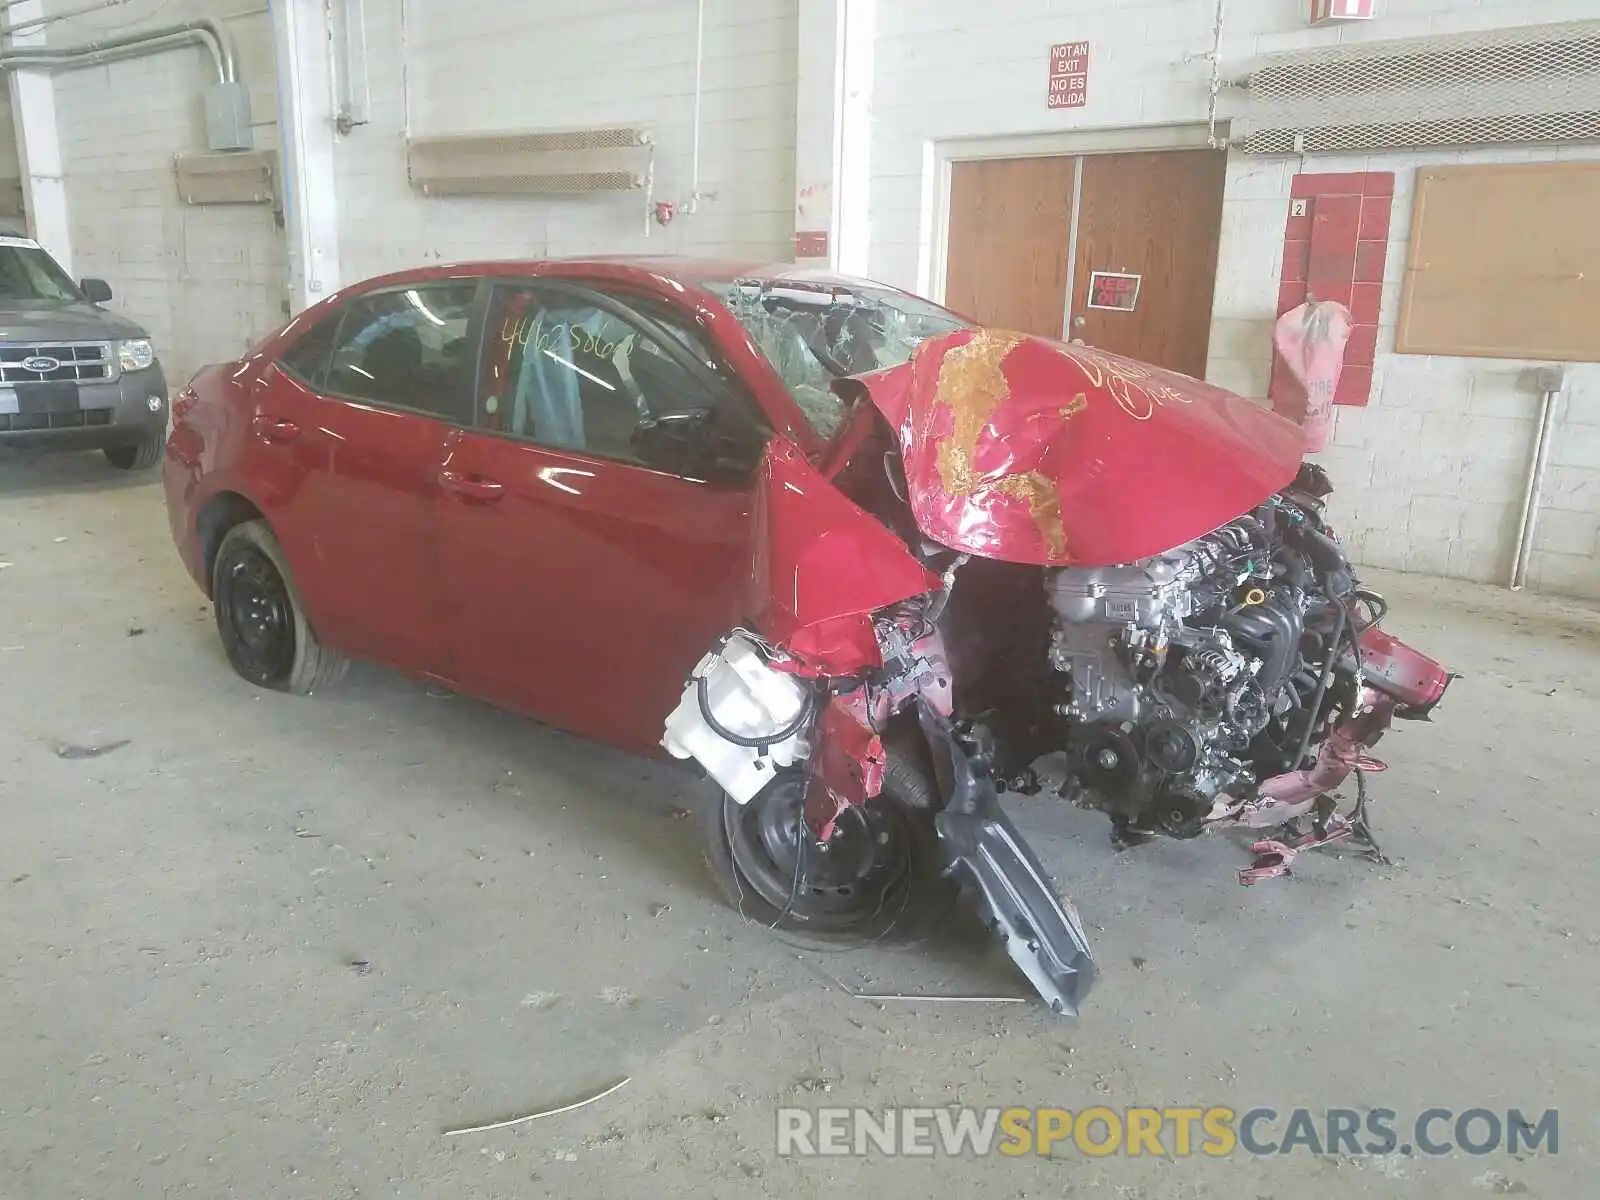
(405,348)
(570,374)
(815,333)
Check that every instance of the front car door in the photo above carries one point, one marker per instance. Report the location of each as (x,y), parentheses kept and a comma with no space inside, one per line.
(350,428)
(586,569)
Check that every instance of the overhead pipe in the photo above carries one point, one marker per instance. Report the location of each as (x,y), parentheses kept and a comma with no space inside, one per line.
(217,41)
(40,22)
(692,205)
(1551,382)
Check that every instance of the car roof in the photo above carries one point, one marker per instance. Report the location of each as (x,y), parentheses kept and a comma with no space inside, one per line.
(643,269)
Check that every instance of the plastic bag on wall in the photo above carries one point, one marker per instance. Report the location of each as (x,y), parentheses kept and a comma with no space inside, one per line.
(1311,338)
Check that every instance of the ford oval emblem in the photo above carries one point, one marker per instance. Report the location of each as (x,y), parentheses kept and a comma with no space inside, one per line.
(41,364)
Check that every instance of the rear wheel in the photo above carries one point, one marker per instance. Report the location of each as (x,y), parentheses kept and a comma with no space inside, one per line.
(261,619)
(878,875)
(140,456)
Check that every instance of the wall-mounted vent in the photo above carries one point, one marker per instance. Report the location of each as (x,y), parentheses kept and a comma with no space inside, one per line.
(243,177)
(1535,83)
(555,162)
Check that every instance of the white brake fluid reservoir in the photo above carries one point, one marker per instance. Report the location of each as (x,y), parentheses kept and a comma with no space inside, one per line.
(747,698)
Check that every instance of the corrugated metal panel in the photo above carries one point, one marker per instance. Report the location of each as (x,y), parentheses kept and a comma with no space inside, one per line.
(570,162)
(1535,83)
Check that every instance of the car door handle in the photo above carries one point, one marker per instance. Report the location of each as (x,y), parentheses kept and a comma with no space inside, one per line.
(472,487)
(270,430)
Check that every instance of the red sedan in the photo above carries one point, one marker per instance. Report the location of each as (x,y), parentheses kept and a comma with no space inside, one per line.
(722,511)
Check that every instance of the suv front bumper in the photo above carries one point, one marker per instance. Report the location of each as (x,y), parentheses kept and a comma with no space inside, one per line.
(117,412)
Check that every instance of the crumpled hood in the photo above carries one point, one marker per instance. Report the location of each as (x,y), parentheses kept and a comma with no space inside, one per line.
(1033,451)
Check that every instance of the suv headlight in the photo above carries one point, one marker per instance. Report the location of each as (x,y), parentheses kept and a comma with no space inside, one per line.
(136,355)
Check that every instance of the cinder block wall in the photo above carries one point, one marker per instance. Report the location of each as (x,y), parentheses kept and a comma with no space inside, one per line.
(477,65)
(205,281)
(1430,474)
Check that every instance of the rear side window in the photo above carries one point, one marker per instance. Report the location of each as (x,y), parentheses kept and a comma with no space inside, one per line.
(405,349)
(307,359)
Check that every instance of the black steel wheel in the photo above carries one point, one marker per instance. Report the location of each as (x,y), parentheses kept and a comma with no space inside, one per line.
(260,617)
(878,875)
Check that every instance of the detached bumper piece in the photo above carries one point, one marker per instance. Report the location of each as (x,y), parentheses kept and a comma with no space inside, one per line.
(983,850)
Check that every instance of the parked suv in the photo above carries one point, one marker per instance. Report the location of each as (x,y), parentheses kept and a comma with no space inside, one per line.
(72,375)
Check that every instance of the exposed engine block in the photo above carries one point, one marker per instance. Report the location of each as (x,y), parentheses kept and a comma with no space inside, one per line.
(1173,666)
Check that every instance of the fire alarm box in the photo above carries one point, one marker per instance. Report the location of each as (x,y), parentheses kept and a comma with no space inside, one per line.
(1327,12)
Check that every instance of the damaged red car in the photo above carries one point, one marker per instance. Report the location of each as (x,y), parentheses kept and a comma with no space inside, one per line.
(865,563)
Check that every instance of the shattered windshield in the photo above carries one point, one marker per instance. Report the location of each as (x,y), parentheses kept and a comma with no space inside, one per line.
(814,333)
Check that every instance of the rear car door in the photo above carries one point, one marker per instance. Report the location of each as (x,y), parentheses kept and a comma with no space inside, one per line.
(349,430)
(586,568)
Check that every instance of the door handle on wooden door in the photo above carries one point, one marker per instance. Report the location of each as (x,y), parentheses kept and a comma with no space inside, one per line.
(471,487)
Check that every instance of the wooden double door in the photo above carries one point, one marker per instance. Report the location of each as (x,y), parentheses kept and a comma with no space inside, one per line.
(1116,250)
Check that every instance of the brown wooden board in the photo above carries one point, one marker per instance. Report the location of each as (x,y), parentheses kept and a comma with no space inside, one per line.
(1504,262)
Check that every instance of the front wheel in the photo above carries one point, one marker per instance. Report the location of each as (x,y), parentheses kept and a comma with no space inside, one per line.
(878,875)
(140,456)
(261,618)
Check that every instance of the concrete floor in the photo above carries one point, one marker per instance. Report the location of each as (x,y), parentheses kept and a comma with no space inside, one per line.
(271,947)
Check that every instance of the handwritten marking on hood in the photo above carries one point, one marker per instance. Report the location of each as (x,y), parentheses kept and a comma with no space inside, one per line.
(1132,384)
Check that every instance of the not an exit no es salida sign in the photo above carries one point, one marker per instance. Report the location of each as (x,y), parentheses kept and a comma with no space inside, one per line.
(1069,75)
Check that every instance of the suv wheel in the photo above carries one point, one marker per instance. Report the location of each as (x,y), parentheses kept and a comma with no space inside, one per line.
(138,457)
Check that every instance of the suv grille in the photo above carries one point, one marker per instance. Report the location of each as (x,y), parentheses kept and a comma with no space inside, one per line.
(85,362)
(22,422)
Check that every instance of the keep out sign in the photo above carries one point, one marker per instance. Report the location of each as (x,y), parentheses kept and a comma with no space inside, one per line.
(1069,75)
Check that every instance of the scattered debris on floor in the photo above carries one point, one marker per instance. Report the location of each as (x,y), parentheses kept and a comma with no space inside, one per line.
(136,631)
(73,752)
(539,1116)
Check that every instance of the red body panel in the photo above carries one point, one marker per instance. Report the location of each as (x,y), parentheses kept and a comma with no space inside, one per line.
(351,496)
(821,567)
(586,590)
(1031,451)
(1408,675)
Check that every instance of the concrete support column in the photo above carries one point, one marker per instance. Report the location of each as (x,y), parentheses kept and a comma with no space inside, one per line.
(832,144)
(819,94)
(854,208)
(33,107)
(306,114)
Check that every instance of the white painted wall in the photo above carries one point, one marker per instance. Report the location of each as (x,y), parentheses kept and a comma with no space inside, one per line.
(1430,474)
(477,65)
(206,281)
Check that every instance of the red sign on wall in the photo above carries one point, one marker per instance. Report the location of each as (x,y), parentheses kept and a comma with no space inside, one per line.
(1341,10)
(1069,75)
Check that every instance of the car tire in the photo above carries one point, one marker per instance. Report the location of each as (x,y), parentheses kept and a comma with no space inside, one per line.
(140,456)
(911,905)
(261,617)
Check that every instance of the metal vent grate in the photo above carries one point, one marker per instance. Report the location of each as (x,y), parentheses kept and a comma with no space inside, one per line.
(55,362)
(1532,84)
(560,162)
